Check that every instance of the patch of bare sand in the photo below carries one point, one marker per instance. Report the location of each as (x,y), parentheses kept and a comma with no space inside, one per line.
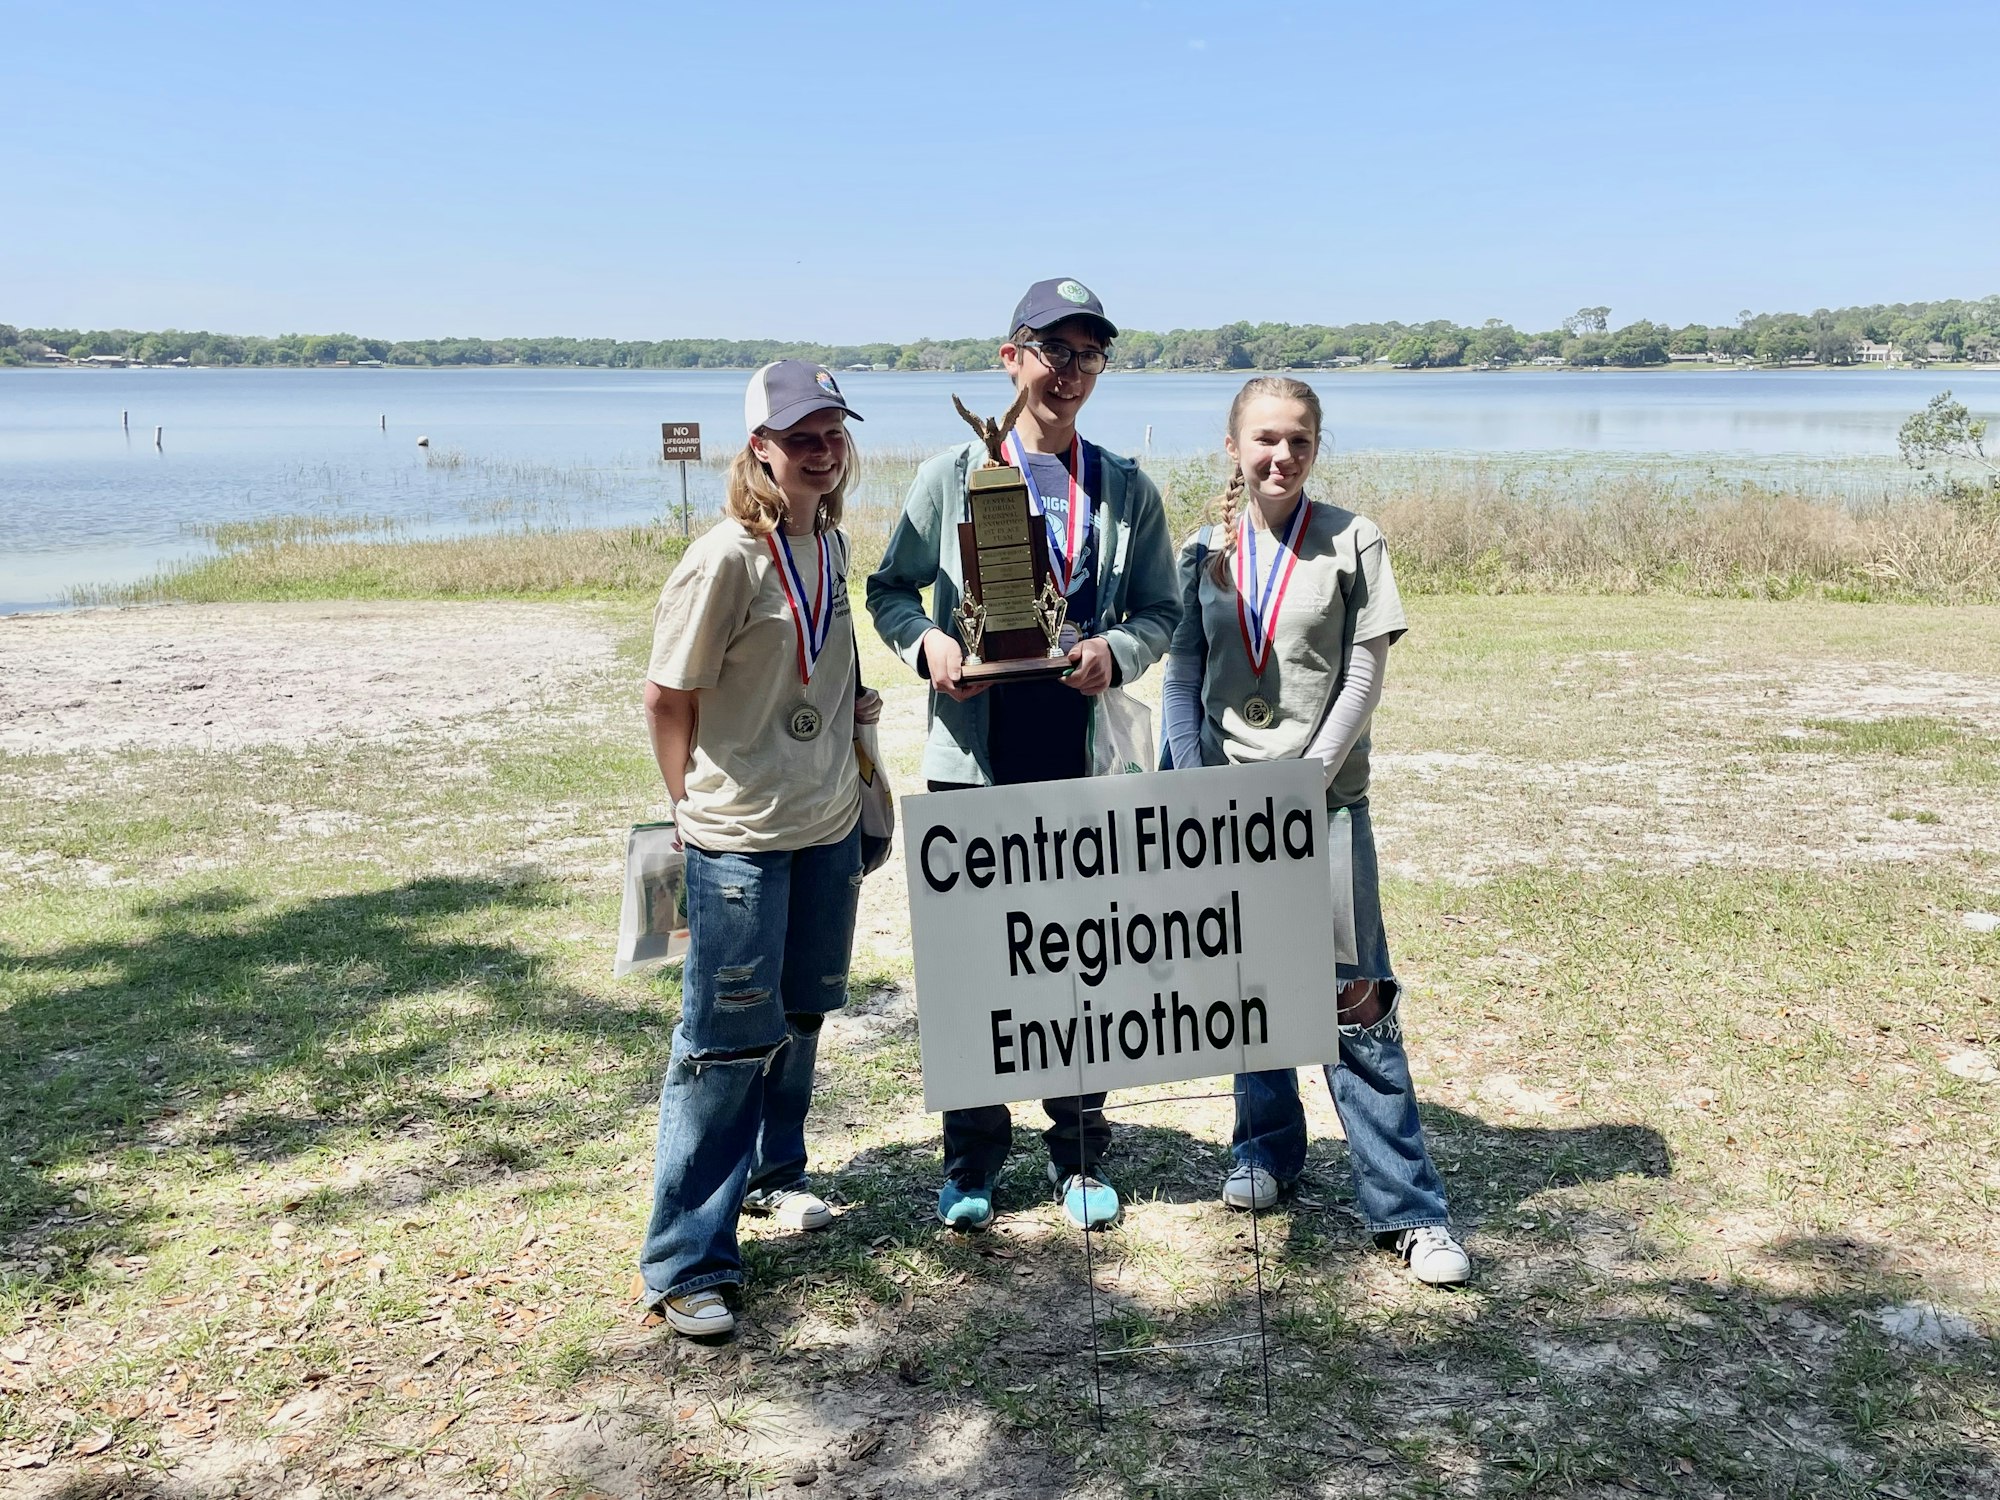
(1862,691)
(226,677)
(1703,778)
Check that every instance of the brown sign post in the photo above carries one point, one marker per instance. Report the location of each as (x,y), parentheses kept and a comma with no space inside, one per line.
(680,443)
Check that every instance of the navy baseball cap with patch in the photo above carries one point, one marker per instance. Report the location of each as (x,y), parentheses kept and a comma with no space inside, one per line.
(1047,303)
(781,393)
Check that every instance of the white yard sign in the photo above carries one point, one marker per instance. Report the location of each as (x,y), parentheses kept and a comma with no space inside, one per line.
(1073,936)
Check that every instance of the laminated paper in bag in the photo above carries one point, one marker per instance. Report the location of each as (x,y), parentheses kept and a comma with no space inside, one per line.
(653,924)
(1340,869)
(878,807)
(1121,735)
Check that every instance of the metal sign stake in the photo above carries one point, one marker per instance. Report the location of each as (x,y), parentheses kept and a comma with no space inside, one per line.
(1262,1336)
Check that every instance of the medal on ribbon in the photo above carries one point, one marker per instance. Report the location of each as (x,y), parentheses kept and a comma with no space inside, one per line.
(1259,597)
(1066,547)
(812,619)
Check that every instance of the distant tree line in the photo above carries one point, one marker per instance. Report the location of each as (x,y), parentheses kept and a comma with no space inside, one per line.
(1918,330)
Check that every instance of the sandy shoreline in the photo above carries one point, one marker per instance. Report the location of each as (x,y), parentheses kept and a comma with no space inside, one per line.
(230,676)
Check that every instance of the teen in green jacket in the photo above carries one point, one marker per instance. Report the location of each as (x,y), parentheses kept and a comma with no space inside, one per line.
(1125,601)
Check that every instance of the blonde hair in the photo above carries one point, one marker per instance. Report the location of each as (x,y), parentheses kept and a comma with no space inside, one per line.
(758,505)
(1226,506)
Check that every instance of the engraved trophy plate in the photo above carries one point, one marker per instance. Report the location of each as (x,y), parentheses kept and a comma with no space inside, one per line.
(1012,613)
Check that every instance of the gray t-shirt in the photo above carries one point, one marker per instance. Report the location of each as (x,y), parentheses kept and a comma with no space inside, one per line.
(724,632)
(1342,592)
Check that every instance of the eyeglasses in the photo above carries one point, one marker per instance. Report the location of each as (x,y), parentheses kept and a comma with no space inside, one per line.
(1060,357)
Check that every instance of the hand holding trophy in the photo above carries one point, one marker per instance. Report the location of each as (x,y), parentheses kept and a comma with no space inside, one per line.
(1011,614)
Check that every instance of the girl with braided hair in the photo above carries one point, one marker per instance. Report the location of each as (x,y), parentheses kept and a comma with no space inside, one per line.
(1289,608)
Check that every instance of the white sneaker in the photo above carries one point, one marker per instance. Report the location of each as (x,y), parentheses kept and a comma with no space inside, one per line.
(1433,1256)
(1249,1187)
(699,1315)
(793,1208)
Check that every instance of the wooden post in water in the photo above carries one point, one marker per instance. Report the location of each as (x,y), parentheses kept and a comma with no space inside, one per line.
(385,421)
(125,419)
(156,435)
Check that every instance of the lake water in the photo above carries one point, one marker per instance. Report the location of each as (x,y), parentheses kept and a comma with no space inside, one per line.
(83,500)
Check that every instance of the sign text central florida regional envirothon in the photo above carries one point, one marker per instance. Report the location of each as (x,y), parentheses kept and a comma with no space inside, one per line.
(1073,936)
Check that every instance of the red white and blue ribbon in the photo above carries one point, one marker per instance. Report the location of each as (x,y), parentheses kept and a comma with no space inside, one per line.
(1066,547)
(812,620)
(1257,612)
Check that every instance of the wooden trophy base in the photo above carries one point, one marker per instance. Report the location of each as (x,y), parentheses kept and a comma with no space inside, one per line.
(1018,669)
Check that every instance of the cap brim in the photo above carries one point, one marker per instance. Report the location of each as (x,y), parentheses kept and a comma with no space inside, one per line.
(791,416)
(1071,314)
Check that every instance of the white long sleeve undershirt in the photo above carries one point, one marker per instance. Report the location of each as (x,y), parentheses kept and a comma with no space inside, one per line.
(1347,716)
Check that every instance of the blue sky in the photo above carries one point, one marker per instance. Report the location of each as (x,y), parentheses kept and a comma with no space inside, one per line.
(898,170)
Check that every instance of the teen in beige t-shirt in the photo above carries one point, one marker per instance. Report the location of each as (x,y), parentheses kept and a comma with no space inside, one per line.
(751,702)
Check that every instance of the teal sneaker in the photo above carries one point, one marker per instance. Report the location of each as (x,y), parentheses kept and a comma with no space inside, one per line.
(965,1208)
(1087,1202)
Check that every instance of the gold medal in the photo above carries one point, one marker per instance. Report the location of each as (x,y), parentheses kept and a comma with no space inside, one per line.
(1258,713)
(803,722)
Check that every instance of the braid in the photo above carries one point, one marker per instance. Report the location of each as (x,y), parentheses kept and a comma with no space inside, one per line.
(1232,499)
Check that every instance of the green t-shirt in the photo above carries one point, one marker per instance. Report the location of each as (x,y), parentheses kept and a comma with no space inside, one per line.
(1342,592)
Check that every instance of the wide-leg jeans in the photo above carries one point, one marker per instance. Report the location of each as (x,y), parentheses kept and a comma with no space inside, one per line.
(769,940)
(1396,1185)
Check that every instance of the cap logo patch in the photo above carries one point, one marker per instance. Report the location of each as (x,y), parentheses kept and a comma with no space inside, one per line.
(825,379)
(1073,291)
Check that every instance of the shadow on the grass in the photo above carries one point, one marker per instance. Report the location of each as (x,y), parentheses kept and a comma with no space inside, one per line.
(1586,1359)
(354,1002)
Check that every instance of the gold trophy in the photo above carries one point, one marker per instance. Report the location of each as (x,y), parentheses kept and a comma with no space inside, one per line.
(1011,614)
(1051,609)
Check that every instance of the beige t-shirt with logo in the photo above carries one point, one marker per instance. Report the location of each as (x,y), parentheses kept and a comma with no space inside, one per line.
(724,631)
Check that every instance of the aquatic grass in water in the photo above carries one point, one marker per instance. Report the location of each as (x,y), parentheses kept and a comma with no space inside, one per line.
(275,530)
(1454,526)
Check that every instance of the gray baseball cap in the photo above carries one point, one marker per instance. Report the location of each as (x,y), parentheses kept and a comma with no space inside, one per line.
(1048,302)
(783,392)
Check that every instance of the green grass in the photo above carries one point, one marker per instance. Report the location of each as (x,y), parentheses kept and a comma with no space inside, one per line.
(1649,525)
(1962,755)
(364,1116)
(1897,735)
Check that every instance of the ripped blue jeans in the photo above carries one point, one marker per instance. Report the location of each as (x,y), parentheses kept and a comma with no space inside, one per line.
(769,936)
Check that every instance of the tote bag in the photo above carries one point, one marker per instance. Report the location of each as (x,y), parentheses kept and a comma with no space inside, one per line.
(1121,734)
